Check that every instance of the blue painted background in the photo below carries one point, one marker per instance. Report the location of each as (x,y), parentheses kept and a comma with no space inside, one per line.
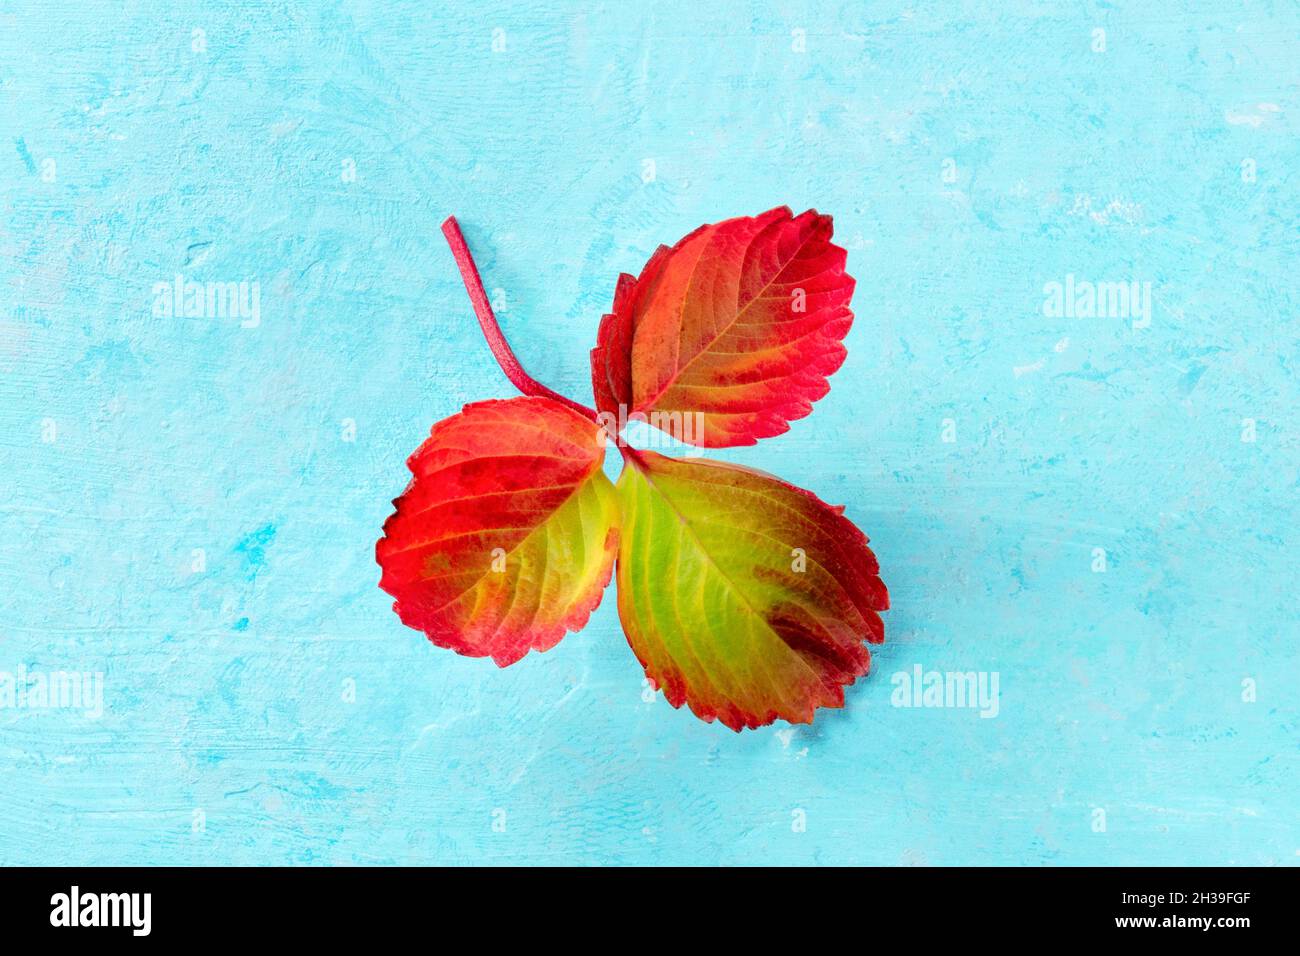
(229,735)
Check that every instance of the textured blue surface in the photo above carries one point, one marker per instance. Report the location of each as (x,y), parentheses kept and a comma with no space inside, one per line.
(1147,712)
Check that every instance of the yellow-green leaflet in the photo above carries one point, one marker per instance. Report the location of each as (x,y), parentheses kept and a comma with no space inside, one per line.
(743,596)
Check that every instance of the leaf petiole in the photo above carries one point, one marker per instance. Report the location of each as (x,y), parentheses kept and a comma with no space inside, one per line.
(496,339)
(487,321)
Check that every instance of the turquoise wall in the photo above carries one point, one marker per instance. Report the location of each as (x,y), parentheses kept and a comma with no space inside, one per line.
(1101,510)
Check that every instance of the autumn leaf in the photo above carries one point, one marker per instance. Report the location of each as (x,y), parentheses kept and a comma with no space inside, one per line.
(743,596)
(506,536)
(729,335)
